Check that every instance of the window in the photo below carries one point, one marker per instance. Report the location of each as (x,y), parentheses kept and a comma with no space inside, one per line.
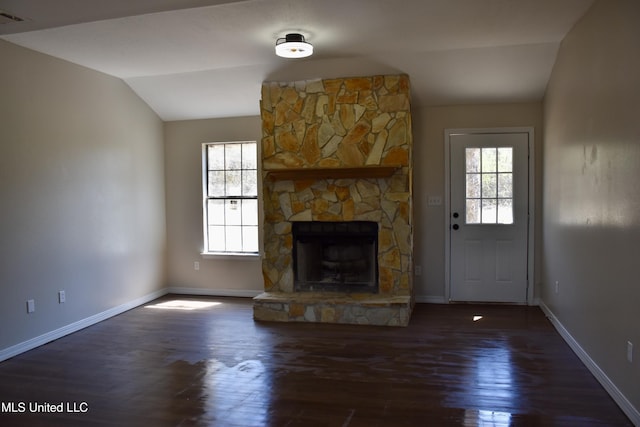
(230,190)
(489,187)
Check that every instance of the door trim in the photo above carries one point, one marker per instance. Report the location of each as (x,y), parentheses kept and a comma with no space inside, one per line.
(531,205)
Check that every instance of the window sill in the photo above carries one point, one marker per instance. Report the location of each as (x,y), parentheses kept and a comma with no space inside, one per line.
(238,256)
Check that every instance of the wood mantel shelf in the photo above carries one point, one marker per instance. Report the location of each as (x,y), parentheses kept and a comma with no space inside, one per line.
(372,171)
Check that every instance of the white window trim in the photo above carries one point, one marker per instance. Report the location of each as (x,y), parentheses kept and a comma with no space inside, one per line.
(238,256)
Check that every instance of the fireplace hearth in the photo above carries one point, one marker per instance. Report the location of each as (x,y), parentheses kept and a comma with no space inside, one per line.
(335,256)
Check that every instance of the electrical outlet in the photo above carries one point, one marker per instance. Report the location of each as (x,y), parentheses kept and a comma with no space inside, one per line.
(31,306)
(629,351)
(196,265)
(62,297)
(418,270)
(557,287)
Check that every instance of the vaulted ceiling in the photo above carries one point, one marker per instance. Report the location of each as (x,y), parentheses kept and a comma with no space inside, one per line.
(191,59)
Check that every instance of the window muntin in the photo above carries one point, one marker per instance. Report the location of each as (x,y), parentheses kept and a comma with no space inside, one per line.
(231,198)
(489,185)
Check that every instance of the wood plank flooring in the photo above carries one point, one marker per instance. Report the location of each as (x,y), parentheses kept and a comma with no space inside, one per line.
(215,366)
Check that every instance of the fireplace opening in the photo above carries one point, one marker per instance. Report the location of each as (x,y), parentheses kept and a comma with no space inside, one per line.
(335,256)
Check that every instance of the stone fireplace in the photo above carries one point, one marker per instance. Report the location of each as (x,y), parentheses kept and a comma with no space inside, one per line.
(336,174)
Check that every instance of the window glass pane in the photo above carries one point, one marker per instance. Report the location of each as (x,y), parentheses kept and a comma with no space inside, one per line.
(489,211)
(505,211)
(489,185)
(505,159)
(473,211)
(473,160)
(250,212)
(215,157)
(233,184)
(215,212)
(234,238)
(232,222)
(505,185)
(233,156)
(250,239)
(216,238)
(249,156)
(249,183)
(489,158)
(215,181)
(473,185)
(233,212)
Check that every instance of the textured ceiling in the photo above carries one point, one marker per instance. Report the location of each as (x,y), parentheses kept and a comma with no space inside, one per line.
(192,59)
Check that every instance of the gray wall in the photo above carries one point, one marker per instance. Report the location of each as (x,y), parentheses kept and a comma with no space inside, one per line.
(82,191)
(237,276)
(183,141)
(429,125)
(591,192)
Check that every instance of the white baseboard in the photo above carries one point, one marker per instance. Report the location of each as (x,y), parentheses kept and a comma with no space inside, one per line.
(442,300)
(430,299)
(32,343)
(609,386)
(22,347)
(242,293)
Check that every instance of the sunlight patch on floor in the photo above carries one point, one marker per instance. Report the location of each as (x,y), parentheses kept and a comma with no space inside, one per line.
(183,305)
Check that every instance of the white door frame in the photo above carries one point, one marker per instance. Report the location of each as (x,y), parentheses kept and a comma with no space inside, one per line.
(531,207)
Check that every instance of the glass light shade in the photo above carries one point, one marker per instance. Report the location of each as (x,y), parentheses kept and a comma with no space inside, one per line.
(293,46)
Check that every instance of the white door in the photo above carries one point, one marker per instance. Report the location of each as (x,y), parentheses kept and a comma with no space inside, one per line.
(489,217)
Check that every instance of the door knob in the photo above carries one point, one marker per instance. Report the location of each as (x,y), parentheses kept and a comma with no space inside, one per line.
(456,226)
(456,215)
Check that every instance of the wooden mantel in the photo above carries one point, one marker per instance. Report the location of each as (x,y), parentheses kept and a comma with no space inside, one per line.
(372,171)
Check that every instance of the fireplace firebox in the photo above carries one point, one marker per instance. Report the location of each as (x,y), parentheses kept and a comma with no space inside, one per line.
(335,256)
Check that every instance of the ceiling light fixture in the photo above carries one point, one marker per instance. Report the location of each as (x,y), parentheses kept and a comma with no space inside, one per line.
(293,45)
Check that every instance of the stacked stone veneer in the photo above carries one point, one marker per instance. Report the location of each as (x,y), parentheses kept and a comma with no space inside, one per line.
(337,123)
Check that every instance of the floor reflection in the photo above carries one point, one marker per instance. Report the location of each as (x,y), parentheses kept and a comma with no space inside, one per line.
(214,382)
(491,390)
(493,374)
(482,418)
(238,394)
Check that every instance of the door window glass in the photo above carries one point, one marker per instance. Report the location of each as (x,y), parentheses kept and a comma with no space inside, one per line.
(489,185)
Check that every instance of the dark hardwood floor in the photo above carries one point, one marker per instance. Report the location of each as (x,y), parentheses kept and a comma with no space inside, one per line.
(214,366)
